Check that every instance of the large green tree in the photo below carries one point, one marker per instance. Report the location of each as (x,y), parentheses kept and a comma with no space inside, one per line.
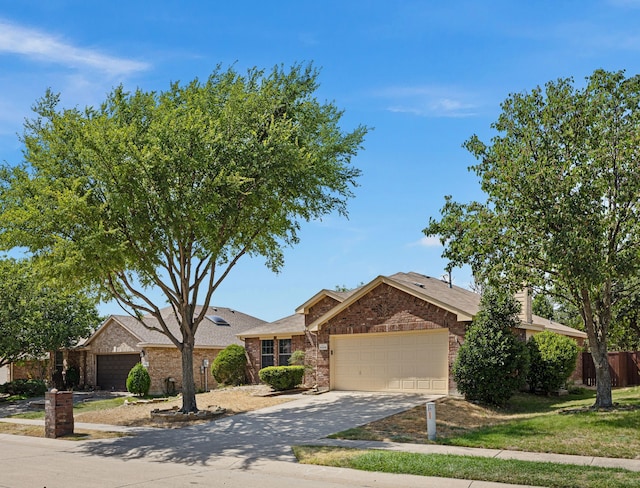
(168,190)
(36,318)
(562,179)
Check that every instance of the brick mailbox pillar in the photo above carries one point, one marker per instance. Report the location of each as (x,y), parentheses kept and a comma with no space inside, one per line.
(58,407)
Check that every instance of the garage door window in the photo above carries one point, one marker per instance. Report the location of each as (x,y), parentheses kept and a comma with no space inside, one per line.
(267,353)
(284,352)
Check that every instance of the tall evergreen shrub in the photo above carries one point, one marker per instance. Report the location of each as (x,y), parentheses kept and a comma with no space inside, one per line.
(493,363)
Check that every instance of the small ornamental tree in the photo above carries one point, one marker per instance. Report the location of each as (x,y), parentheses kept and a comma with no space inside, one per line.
(297,358)
(493,363)
(138,381)
(553,359)
(229,366)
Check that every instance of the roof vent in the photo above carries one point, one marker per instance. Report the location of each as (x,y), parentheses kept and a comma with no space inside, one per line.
(216,319)
(421,285)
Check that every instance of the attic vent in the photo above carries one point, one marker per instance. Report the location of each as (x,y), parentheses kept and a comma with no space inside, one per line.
(216,319)
(421,285)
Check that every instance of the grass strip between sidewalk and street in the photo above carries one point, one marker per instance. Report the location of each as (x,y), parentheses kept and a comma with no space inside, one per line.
(470,468)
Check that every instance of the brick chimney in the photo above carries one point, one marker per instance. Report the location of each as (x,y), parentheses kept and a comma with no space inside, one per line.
(526,313)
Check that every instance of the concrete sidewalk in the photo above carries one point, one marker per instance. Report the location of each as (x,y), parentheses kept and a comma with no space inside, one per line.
(630,464)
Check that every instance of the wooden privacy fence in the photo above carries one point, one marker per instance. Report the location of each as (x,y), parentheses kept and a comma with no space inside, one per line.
(624,368)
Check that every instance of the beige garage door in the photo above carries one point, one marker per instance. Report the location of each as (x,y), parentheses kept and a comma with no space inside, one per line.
(406,362)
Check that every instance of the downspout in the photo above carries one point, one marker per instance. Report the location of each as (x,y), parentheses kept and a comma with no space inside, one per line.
(311,333)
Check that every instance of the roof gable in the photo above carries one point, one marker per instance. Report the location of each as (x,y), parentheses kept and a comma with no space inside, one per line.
(463,303)
(338,296)
(111,321)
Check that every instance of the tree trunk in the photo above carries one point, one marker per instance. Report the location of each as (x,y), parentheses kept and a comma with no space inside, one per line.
(188,382)
(597,335)
(603,376)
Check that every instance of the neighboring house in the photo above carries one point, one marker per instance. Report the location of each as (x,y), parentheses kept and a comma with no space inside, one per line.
(105,359)
(27,369)
(396,333)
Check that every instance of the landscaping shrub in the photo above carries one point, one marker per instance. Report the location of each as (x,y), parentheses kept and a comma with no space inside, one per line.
(230,365)
(493,363)
(553,359)
(138,381)
(297,358)
(26,388)
(282,377)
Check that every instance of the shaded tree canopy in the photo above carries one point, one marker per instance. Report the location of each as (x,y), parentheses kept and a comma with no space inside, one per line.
(168,190)
(562,181)
(36,318)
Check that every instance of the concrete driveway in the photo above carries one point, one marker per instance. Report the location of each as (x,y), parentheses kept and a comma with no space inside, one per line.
(263,434)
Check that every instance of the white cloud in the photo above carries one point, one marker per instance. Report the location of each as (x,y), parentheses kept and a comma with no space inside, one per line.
(429,101)
(41,46)
(428,241)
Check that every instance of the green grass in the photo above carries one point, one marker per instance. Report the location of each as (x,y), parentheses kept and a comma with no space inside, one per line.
(563,425)
(89,406)
(470,468)
(589,433)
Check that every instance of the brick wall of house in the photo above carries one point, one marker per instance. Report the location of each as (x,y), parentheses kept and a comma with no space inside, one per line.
(113,339)
(253,351)
(384,309)
(166,362)
(319,309)
(253,348)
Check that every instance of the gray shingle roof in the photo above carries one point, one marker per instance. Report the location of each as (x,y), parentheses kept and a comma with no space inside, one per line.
(464,303)
(293,324)
(209,334)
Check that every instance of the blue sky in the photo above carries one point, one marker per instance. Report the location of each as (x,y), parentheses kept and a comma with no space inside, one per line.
(426,75)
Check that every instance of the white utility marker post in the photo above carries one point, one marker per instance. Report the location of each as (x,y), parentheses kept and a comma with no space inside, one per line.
(431,421)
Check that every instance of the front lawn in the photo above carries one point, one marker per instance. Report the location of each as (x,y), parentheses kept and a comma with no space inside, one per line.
(533,423)
(136,413)
(470,468)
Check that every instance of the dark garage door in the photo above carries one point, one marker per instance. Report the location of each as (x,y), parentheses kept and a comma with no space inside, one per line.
(113,370)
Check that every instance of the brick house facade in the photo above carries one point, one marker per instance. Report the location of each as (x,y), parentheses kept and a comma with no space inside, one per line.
(406,304)
(107,356)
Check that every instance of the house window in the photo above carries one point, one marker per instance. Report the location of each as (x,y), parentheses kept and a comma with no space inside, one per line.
(267,353)
(284,352)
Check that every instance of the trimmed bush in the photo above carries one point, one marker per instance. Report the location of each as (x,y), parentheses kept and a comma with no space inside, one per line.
(493,363)
(553,359)
(229,366)
(138,381)
(282,377)
(26,388)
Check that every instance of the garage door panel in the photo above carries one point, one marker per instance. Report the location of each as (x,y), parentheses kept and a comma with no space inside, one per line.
(391,362)
(113,369)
